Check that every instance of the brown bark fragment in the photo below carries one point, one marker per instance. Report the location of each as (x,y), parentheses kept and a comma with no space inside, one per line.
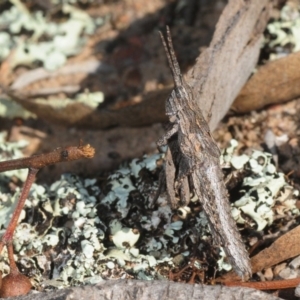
(223,68)
(283,248)
(275,82)
(154,290)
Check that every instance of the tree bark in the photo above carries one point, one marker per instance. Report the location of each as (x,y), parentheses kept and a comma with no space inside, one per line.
(154,290)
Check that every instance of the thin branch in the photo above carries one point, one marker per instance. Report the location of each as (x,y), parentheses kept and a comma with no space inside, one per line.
(56,156)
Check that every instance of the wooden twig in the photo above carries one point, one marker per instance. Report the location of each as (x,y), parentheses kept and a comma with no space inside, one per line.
(42,160)
(267,285)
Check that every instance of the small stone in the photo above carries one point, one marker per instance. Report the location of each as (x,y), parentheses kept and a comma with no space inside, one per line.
(268,274)
(288,273)
(134,252)
(279,268)
(295,263)
(297,291)
(110,265)
(178,259)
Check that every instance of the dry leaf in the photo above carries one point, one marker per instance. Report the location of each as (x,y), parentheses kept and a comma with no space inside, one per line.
(275,82)
(287,246)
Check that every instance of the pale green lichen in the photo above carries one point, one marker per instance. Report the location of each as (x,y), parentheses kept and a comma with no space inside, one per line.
(10,109)
(123,237)
(63,38)
(7,205)
(222,262)
(286,31)
(90,99)
(92,234)
(260,190)
(12,150)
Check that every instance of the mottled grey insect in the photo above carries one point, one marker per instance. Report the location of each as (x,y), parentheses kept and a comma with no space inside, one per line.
(192,162)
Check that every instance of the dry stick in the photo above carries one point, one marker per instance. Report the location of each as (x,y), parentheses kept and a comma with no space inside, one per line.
(12,264)
(34,164)
(267,285)
(43,160)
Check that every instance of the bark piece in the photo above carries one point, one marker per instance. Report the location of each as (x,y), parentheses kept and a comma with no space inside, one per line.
(275,82)
(223,68)
(283,248)
(154,290)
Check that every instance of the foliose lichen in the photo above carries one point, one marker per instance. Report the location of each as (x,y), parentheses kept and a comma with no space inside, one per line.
(80,231)
(283,34)
(49,42)
(262,190)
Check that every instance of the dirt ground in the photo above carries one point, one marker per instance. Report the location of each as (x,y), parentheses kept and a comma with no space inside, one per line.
(129,44)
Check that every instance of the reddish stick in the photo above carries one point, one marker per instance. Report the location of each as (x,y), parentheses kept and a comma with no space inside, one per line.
(42,160)
(34,164)
(267,285)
